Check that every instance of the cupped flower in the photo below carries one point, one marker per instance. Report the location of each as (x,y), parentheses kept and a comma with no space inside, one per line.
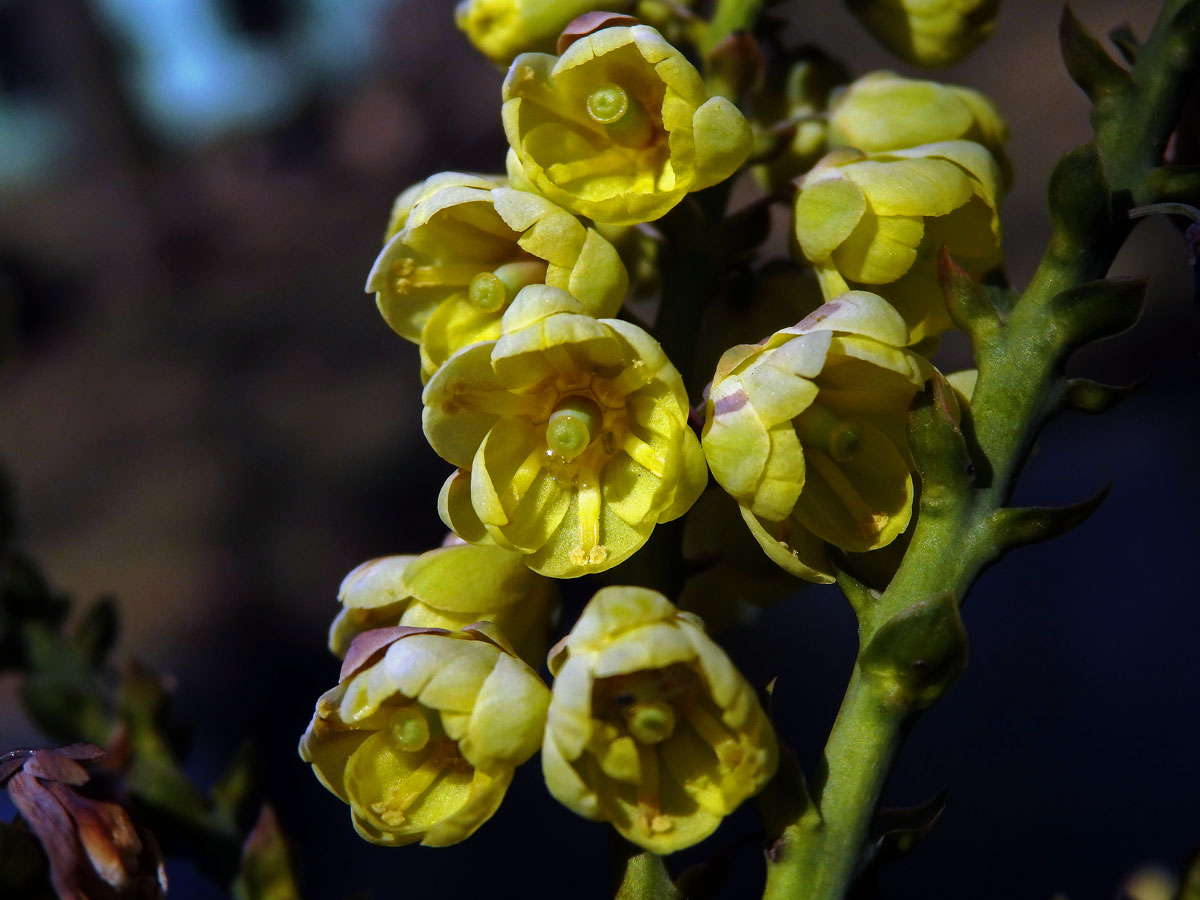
(461,247)
(806,432)
(884,111)
(570,433)
(423,732)
(928,32)
(449,587)
(500,29)
(878,221)
(619,128)
(651,727)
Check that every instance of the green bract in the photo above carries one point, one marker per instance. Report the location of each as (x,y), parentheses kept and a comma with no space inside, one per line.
(619,128)
(879,220)
(570,433)
(650,726)
(449,587)
(423,731)
(928,32)
(806,432)
(460,249)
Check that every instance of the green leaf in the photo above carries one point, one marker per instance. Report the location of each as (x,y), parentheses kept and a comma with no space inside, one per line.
(1189,888)
(266,869)
(938,446)
(232,790)
(1093,397)
(1078,196)
(95,635)
(1089,65)
(1126,42)
(969,306)
(67,710)
(1017,526)
(1097,309)
(898,831)
(919,652)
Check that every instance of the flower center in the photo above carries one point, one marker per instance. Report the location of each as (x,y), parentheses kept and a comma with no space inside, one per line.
(608,103)
(573,426)
(820,428)
(650,721)
(622,116)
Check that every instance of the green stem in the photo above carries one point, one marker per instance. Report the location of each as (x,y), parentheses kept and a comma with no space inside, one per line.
(857,758)
(728,17)
(820,852)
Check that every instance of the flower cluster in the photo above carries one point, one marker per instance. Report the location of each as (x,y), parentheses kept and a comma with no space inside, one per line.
(571,433)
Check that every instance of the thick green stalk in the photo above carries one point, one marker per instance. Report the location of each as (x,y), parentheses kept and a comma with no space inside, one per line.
(728,17)
(910,640)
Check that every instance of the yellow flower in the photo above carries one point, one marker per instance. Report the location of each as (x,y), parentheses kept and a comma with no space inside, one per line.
(879,220)
(650,725)
(572,434)
(449,587)
(806,432)
(422,733)
(619,128)
(928,32)
(459,249)
(884,111)
(500,29)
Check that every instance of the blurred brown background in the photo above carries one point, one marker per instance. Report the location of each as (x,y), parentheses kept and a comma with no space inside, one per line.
(206,417)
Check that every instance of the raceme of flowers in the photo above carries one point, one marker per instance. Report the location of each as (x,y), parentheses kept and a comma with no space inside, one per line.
(571,437)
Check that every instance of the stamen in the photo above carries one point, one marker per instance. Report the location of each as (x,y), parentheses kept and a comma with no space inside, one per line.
(573,426)
(405,792)
(868,521)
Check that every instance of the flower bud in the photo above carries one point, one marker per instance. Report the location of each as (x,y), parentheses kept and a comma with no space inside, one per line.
(884,111)
(423,732)
(461,248)
(806,432)
(928,32)
(500,29)
(450,588)
(570,433)
(650,727)
(619,127)
(880,220)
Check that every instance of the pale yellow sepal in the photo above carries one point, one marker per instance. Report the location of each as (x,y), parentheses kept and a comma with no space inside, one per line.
(461,247)
(928,32)
(449,587)
(884,111)
(632,160)
(571,434)
(500,29)
(650,726)
(423,732)
(806,432)
(879,220)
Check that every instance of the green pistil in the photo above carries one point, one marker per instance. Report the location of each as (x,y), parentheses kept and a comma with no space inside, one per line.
(650,721)
(608,104)
(410,729)
(821,429)
(572,426)
(488,292)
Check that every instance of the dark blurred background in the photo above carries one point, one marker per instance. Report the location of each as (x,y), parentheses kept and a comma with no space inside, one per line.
(206,417)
